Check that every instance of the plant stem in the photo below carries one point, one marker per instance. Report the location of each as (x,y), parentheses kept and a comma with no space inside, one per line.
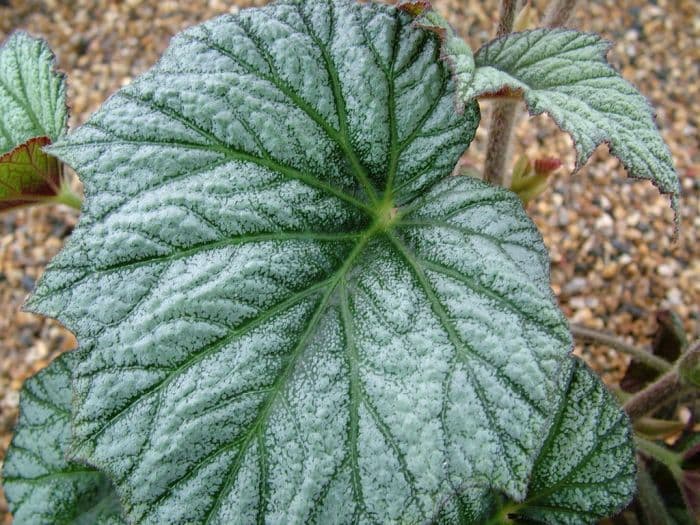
(559,12)
(661,454)
(664,388)
(68,197)
(595,336)
(508,10)
(498,148)
(503,116)
(505,111)
(645,401)
(649,498)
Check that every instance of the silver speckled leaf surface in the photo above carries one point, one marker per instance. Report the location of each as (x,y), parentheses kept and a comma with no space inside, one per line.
(289,312)
(32,93)
(40,485)
(565,74)
(586,470)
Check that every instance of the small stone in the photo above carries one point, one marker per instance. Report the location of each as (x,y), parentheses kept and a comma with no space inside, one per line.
(575,286)
(610,270)
(604,224)
(27,283)
(665,270)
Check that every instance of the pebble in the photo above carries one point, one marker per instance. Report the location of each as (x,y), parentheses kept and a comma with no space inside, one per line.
(574,286)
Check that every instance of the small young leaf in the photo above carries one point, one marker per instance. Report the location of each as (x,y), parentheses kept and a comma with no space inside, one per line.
(41,486)
(565,73)
(586,469)
(32,93)
(530,179)
(291,313)
(28,175)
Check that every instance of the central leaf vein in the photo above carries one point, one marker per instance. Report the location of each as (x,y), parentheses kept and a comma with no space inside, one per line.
(260,421)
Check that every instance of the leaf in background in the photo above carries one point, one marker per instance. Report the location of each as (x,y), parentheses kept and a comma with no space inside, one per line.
(290,311)
(28,175)
(565,74)
(690,480)
(586,469)
(40,485)
(32,93)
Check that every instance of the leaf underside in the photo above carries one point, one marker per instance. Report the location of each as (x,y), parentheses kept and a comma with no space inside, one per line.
(40,485)
(28,175)
(565,74)
(32,93)
(288,311)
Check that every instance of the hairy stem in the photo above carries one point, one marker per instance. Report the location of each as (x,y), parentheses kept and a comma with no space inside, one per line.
(595,336)
(505,112)
(508,11)
(650,398)
(650,500)
(501,126)
(559,12)
(683,374)
(498,148)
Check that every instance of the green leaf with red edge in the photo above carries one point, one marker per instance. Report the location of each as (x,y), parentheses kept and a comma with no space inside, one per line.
(33,114)
(28,175)
(32,92)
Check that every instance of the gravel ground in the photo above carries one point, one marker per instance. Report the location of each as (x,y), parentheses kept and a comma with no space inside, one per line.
(613,261)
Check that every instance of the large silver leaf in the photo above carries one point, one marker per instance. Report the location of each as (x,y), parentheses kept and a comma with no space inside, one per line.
(41,486)
(275,326)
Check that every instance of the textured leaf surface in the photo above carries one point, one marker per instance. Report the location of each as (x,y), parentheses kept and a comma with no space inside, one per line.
(455,51)
(32,94)
(586,470)
(41,486)
(565,73)
(28,175)
(275,326)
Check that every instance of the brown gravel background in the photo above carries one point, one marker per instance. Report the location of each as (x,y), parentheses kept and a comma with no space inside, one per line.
(613,261)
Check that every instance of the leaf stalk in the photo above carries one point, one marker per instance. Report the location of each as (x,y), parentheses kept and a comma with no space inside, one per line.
(68,197)
(505,112)
(666,457)
(595,336)
(664,388)
(559,12)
